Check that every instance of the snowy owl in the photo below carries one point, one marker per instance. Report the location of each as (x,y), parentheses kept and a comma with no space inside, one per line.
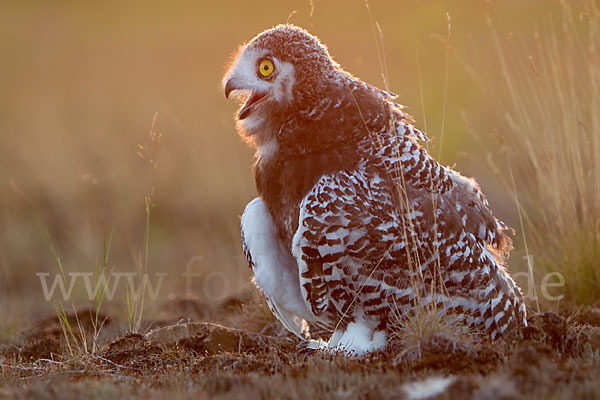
(355,223)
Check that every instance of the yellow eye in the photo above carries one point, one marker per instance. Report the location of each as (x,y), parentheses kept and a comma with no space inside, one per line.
(266,67)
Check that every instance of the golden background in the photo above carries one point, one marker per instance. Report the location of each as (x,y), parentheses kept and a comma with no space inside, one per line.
(81,83)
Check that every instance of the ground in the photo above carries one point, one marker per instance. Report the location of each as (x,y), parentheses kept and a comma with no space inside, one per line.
(242,352)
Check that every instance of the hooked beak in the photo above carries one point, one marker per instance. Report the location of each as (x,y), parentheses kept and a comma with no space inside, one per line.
(254,98)
(229,87)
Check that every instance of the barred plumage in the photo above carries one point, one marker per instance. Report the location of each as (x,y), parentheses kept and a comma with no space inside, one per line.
(356,222)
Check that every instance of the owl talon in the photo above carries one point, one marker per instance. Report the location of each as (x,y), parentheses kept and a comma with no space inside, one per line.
(311,346)
(305,352)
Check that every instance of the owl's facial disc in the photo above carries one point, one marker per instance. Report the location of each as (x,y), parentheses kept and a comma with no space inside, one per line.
(266,79)
(241,80)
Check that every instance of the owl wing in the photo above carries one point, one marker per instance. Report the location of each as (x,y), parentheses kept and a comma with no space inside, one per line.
(273,267)
(345,229)
(352,248)
(354,222)
(291,322)
(456,201)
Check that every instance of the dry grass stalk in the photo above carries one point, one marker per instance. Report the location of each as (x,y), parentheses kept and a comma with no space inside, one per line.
(552,110)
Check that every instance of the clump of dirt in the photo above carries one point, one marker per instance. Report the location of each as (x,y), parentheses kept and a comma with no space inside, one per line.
(567,335)
(215,341)
(548,327)
(446,354)
(207,338)
(47,337)
(41,344)
(133,350)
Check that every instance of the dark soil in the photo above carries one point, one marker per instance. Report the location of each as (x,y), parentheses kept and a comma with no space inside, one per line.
(246,353)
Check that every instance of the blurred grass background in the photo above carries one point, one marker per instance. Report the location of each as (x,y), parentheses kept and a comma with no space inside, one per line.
(81,82)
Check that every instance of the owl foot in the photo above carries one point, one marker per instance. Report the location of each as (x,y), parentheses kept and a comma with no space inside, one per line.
(309,347)
(356,340)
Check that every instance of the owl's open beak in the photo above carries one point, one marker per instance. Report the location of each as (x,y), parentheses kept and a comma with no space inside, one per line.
(254,98)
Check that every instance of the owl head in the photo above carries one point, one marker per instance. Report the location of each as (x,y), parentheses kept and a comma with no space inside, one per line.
(281,69)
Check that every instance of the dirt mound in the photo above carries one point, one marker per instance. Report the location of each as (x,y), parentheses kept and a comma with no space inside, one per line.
(570,336)
(47,337)
(207,338)
(134,351)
